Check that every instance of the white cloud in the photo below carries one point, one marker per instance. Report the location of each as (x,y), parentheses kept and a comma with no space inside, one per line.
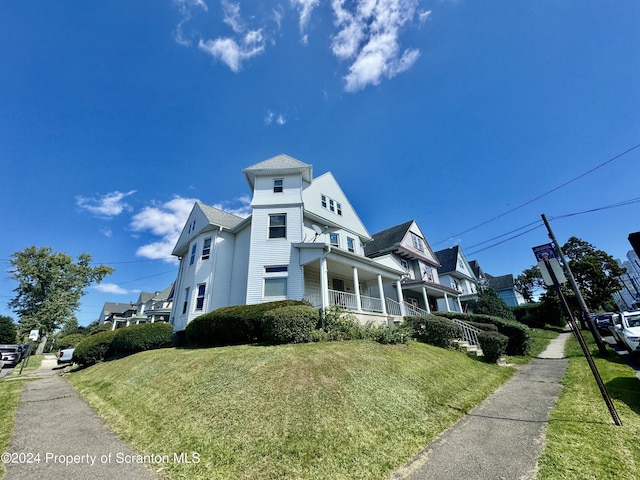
(305,7)
(368,36)
(240,206)
(233,53)
(232,16)
(111,288)
(106,231)
(185,7)
(108,205)
(272,117)
(166,221)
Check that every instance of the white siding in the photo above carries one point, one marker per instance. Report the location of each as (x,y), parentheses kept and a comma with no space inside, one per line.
(240,267)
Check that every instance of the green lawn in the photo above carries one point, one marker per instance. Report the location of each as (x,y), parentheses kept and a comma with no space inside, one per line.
(328,410)
(9,399)
(582,441)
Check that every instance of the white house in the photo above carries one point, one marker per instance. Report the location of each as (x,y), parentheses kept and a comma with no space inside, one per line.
(421,288)
(303,240)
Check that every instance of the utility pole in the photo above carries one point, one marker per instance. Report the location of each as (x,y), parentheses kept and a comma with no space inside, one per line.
(586,315)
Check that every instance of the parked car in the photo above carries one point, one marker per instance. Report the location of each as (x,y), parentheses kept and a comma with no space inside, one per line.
(626,330)
(11,354)
(604,321)
(65,355)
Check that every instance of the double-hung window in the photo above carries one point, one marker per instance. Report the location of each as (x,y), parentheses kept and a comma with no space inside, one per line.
(351,244)
(186,300)
(206,249)
(278,225)
(278,185)
(334,239)
(193,254)
(200,298)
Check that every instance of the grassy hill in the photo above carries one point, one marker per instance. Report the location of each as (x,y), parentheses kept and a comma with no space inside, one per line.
(329,410)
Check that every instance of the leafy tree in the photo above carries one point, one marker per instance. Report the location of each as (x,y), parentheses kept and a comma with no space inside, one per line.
(8,330)
(50,286)
(489,303)
(596,272)
(528,282)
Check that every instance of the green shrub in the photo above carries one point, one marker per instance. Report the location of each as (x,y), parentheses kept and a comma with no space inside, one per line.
(94,348)
(493,345)
(137,338)
(292,324)
(391,335)
(485,327)
(232,325)
(339,324)
(70,340)
(434,330)
(519,336)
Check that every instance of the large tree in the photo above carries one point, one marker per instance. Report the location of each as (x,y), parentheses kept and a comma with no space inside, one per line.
(8,330)
(596,272)
(50,286)
(528,282)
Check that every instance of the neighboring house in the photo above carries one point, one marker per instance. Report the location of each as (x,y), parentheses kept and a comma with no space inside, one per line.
(303,240)
(457,273)
(154,307)
(421,288)
(117,314)
(504,286)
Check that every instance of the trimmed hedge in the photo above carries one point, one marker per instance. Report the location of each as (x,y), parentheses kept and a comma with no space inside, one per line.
(137,338)
(493,345)
(519,337)
(232,325)
(434,330)
(291,324)
(94,348)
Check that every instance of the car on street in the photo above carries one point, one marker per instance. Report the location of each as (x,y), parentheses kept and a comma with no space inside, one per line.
(11,354)
(604,321)
(65,355)
(625,329)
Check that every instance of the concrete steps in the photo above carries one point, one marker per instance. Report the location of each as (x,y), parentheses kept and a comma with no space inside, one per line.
(472,349)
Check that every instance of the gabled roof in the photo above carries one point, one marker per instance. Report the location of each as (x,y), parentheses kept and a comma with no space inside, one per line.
(387,240)
(218,217)
(111,307)
(477,269)
(448,259)
(503,282)
(279,165)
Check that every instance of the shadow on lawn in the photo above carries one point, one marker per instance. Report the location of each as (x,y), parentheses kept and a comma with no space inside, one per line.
(626,390)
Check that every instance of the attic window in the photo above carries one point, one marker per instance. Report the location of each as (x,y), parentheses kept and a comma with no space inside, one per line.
(417,242)
(331,205)
(277,185)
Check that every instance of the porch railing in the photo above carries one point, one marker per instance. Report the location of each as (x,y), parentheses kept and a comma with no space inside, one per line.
(469,332)
(374,305)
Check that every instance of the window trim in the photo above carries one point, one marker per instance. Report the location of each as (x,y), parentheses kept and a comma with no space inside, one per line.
(277,228)
(206,250)
(337,239)
(202,289)
(185,305)
(192,258)
(278,185)
(351,244)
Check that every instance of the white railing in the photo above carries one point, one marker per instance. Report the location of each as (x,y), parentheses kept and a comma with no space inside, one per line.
(345,300)
(469,332)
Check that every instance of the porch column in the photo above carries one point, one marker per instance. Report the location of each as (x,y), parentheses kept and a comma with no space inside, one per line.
(356,289)
(403,313)
(382,300)
(324,283)
(446,302)
(459,304)
(426,299)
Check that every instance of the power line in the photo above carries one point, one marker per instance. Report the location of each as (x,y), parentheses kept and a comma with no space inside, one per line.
(543,195)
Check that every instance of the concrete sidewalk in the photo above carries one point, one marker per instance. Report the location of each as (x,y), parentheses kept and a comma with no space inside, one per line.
(502,438)
(58,436)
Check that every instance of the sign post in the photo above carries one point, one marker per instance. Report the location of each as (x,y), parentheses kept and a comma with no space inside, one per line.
(546,256)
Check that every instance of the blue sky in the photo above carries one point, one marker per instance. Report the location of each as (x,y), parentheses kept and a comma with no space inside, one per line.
(115,116)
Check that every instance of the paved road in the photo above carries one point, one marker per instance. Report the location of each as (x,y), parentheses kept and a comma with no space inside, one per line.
(63,438)
(502,438)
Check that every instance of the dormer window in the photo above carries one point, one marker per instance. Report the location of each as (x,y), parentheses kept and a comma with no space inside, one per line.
(278,185)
